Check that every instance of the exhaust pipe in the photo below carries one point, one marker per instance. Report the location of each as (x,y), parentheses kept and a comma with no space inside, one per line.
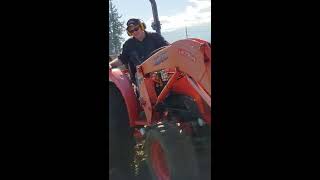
(156,23)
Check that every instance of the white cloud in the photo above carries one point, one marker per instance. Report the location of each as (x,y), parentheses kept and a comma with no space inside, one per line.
(197,13)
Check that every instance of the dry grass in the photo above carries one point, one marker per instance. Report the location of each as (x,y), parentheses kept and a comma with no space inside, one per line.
(139,158)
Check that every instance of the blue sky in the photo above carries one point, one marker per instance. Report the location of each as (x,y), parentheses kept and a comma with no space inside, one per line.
(174,15)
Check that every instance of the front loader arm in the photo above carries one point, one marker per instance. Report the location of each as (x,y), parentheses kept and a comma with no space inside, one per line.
(190,56)
(189,59)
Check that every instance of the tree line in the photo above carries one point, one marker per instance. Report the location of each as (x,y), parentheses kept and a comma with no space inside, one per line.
(116,29)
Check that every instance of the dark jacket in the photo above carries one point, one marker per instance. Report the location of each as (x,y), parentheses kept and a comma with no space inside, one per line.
(135,52)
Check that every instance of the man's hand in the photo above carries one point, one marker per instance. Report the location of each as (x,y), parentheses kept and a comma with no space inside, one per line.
(115,63)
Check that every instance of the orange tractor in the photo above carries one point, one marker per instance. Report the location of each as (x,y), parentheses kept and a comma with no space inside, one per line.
(168,109)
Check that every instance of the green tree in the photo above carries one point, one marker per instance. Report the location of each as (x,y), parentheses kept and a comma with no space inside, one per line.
(116,28)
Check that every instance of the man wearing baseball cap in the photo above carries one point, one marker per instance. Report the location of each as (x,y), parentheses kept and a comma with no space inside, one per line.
(138,48)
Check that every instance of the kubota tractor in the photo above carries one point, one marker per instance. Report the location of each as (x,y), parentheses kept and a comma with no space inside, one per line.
(168,109)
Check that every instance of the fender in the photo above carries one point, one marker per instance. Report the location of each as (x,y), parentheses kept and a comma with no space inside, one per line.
(123,83)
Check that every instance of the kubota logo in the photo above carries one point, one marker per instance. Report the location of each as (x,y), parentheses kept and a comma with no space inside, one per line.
(161,58)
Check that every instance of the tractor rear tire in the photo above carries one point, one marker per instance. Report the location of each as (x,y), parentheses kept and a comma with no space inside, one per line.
(170,153)
(121,141)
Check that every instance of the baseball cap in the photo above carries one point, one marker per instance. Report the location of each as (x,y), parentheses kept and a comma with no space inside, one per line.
(133,22)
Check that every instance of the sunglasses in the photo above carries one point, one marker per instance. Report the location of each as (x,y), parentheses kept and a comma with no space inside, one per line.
(134,29)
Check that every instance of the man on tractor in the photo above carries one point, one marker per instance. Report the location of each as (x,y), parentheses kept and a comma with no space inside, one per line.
(134,52)
(138,48)
(166,106)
